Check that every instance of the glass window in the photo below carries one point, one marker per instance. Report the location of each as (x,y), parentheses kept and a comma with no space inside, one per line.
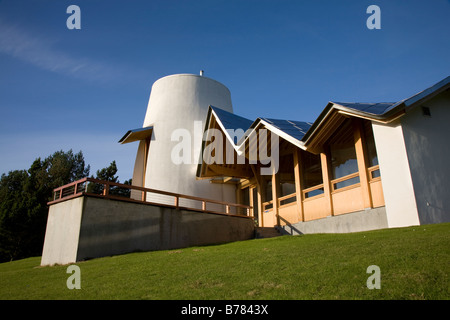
(343,160)
(343,155)
(286,178)
(268,191)
(311,173)
(287,188)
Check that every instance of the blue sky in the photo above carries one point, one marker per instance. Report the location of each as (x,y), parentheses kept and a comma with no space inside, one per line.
(64,89)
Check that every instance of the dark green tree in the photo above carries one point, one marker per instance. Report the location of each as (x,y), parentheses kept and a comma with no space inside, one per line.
(14,215)
(109,174)
(24,195)
(23,201)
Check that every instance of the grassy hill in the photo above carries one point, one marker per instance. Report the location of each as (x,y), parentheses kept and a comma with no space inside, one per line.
(413,261)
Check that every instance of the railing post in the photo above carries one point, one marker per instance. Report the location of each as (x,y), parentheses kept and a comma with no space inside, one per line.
(324,160)
(204,205)
(275,193)
(227,209)
(106,189)
(298,184)
(251,201)
(177,202)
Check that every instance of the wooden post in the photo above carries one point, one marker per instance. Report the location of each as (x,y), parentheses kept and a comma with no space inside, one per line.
(326,180)
(361,158)
(298,184)
(260,196)
(275,193)
(250,200)
(106,189)
(259,193)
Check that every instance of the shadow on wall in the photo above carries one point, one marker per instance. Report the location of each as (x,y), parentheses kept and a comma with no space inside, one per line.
(111,227)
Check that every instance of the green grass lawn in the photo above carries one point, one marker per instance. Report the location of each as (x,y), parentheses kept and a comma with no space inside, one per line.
(414,264)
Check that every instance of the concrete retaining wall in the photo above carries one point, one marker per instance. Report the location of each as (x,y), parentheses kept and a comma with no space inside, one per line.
(89,227)
(369,219)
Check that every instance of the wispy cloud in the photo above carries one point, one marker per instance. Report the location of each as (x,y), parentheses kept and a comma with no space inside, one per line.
(39,50)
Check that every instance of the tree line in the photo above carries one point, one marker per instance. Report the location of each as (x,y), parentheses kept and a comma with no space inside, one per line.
(24,195)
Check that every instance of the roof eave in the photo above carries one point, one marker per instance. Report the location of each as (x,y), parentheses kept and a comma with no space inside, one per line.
(139,133)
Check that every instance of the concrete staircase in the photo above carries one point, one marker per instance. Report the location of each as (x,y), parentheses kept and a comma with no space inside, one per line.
(266,232)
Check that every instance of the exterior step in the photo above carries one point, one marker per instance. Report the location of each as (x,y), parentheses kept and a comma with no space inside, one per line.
(266,232)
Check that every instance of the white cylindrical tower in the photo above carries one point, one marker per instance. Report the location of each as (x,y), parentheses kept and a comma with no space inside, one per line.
(177,111)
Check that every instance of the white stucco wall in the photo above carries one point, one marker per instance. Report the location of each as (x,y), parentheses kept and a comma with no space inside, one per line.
(427,144)
(400,201)
(181,102)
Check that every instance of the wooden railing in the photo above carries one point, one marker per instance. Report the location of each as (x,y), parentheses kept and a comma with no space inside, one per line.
(371,172)
(266,204)
(307,196)
(118,191)
(291,197)
(342,179)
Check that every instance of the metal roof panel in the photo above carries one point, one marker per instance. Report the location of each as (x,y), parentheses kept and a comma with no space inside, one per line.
(296,129)
(136,135)
(372,108)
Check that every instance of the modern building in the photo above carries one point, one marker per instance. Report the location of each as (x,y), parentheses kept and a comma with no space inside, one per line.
(359,166)
(203,175)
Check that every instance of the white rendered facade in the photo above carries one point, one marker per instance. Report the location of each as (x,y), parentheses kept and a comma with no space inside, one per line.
(398,188)
(427,145)
(413,153)
(176,111)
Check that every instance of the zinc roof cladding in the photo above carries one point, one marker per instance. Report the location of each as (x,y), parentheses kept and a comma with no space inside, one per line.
(296,129)
(443,84)
(136,134)
(383,108)
(231,121)
(372,108)
(300,130)
(378,110)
